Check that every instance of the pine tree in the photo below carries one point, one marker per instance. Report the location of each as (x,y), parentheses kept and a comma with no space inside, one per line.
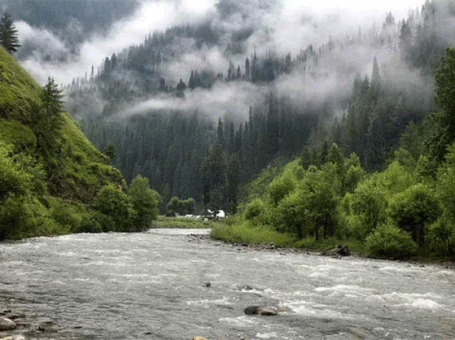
(233,176)
(8,34)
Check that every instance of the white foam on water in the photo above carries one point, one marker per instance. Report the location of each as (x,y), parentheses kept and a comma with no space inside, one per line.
(401,269)
(306,309)
(352,291)
(421,301)
(223,302)
(241,321)
(68,254)
(268,335)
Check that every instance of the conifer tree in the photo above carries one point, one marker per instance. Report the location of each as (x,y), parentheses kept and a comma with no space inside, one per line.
(8,34)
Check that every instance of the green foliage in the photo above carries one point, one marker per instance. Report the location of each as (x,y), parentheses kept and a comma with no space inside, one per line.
(414,209)
(369,204)
(182,207)
(281,187)
(243,233)
(441,237)
(254,209)
(110,152)
(145,202)
(391,242)
(116,205)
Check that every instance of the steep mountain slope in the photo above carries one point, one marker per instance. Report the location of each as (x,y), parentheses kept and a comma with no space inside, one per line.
(36,183)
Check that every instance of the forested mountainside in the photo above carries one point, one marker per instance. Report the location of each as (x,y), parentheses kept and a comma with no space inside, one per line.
(407,209)
(52,179)
(164,103)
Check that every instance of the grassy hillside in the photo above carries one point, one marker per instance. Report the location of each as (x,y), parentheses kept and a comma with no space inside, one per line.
(38,182)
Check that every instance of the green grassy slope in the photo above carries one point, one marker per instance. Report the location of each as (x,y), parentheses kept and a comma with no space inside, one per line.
(64,183)
(80,169)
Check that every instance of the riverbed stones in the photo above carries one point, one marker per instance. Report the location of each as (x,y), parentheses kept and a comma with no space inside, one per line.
(7,324)
(48,326)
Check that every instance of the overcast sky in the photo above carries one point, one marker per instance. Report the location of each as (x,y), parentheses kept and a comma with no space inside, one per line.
(361,4)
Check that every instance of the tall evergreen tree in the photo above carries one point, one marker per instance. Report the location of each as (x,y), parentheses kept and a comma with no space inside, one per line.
(8,34)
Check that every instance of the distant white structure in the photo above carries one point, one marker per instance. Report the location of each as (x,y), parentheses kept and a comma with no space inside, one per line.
(221,214)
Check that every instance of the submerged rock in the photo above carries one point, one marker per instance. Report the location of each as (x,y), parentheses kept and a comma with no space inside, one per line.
(7,324)
(48,326)
(258,310)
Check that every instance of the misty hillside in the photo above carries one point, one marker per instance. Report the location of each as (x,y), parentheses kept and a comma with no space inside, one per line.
(266,79)
(359,90)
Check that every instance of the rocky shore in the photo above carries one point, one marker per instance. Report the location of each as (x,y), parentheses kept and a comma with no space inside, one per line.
(334,253)
(15,325)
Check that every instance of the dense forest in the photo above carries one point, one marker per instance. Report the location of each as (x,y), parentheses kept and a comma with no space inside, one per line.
(128,104)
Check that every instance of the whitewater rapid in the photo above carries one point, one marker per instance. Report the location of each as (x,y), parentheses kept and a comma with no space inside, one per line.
(152,285)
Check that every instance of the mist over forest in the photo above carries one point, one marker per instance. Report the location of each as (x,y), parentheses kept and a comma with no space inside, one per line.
(161,81)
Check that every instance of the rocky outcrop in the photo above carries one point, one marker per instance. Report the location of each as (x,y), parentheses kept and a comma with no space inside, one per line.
(7,324)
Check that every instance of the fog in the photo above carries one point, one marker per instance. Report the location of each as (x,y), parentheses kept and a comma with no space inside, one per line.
(277,26)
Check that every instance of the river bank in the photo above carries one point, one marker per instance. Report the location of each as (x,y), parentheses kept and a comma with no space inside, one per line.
(269,240)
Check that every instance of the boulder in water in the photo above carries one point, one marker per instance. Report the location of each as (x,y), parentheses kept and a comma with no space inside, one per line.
(258,310)
(267,311)
(7,324)
(340,250)
(343,250)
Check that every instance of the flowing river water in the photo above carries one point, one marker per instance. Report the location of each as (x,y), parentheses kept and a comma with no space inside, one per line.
(152,286)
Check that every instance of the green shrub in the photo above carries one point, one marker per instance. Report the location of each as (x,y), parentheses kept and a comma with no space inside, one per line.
(145,202)
(389,241)
(280,188)
(90,224)
(413,209)
(254,209)
(117,207)
(441,237)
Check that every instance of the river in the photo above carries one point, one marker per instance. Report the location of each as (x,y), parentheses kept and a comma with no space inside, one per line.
(152,285)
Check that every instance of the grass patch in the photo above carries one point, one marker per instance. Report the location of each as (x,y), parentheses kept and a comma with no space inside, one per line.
(182,223)
(243,233)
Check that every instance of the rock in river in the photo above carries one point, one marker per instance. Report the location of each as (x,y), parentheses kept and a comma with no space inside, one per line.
(258,310)
(340,250)
(7,324)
